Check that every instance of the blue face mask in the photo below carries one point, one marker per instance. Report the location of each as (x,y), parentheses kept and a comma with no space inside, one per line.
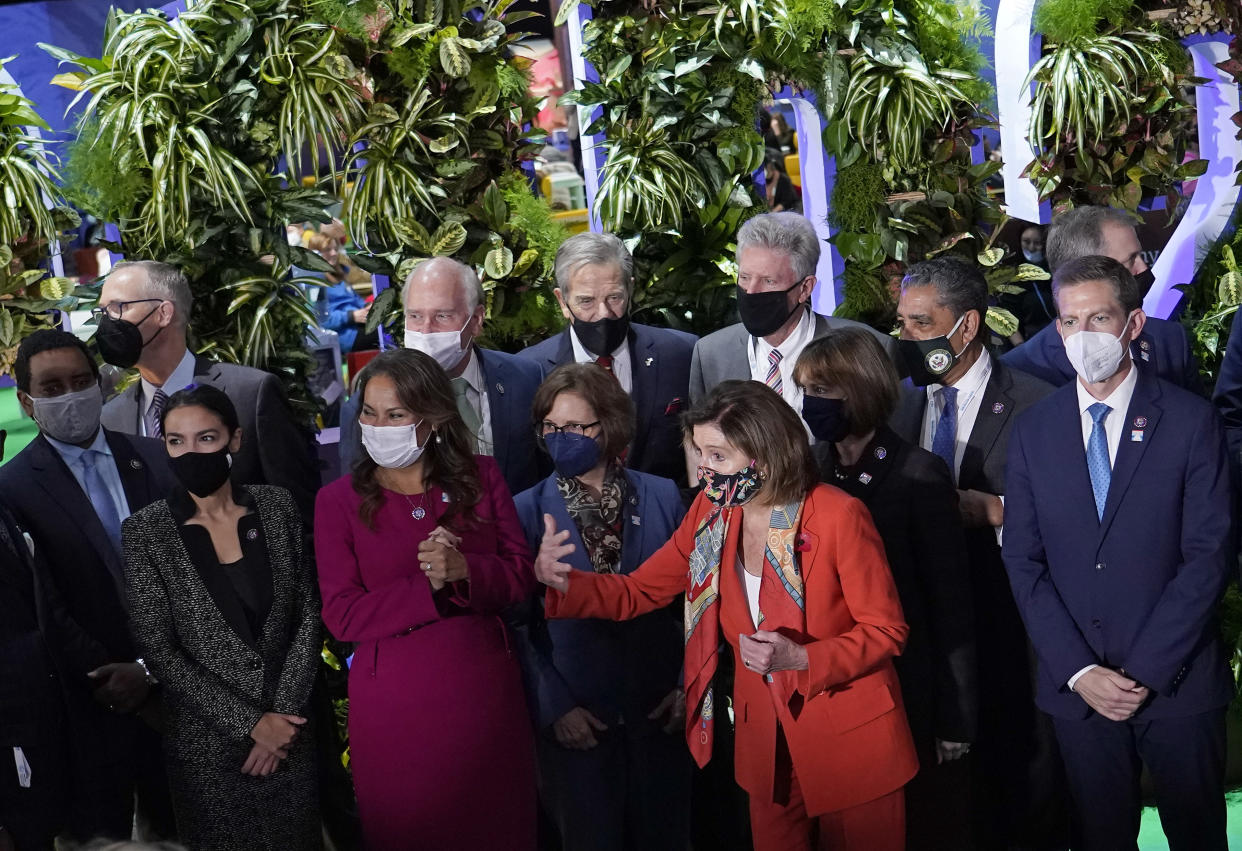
(573,454)
(826,418)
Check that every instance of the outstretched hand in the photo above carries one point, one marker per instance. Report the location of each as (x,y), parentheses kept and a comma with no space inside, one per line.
(549,569)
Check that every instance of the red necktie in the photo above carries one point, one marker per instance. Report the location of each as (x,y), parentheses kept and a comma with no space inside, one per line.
(605,361)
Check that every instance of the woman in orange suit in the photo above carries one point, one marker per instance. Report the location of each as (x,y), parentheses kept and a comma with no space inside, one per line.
(792,574)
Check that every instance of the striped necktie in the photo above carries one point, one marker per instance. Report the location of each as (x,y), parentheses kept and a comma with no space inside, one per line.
(774,371)
(153,414)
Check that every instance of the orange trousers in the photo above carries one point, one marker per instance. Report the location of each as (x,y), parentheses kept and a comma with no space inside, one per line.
(878,825)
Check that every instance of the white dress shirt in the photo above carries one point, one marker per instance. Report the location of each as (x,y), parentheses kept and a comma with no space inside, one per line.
(621,366)
(476,394)
(181,378)
(1114,426)
(759,349)
(970,388)
(72,456)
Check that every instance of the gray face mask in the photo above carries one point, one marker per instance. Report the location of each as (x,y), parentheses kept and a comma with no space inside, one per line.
(69,417)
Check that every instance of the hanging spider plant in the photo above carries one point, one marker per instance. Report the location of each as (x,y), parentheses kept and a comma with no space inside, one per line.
(895,100)
(646,184)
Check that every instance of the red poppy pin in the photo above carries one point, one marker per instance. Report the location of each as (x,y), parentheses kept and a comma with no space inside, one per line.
(674,407)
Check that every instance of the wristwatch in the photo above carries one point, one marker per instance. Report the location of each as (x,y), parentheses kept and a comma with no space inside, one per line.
(151,680)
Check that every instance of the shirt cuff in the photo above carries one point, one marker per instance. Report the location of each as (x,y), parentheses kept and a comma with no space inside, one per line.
(1074,679)
(1000,530)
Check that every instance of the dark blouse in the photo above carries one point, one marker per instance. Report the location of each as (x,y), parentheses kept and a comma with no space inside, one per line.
(243,590)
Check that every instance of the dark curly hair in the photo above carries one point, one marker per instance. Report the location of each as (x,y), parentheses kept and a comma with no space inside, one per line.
(448,462)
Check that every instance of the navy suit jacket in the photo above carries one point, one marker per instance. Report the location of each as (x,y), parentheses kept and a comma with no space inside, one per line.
(660,365)
(1137,590)
(613,669)
(511,384)
(1162,350)
(87,572)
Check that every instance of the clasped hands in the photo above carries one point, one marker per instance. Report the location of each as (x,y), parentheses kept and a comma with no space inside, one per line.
(120,686)
(576,729)
(1111,693)
(273,736)
(440,560)
(767,652)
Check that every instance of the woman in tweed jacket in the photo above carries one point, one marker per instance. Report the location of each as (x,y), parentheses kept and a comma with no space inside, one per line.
(224,611)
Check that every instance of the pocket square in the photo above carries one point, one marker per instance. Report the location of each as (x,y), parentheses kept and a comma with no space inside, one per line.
(674,407)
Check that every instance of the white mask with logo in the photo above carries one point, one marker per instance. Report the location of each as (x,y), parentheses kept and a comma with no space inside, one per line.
(392,447)
(1095,355)
(444,346)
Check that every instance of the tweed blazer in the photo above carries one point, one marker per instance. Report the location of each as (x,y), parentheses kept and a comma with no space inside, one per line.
(209,672)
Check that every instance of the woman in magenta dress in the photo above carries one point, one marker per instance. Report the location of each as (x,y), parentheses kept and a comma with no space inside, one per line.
(419,550)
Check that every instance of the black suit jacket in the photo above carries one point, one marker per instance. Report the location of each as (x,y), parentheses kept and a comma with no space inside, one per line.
(32,715)
(914,506)
(87,572)
(275,448)
(660,369)
(1001,639)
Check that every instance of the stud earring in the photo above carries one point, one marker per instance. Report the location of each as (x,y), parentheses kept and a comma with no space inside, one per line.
(438,439)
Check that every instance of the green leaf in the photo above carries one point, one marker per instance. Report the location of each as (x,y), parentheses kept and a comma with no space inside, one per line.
(1031,272)
(499,262)
(448,239)
(8,330)
(412,32)
(443,144)
(1001,321)
(453,59)
(495,210)
(567,8)
(990,257)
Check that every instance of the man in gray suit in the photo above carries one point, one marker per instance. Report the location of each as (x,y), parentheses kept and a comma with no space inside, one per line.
(144,310)
(776,258)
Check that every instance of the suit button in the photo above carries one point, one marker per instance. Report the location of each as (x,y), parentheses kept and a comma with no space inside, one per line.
(255,664)
(1097,623)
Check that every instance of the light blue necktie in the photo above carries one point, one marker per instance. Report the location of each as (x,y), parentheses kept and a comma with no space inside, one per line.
(97,492)
(1097,457)
(944,442)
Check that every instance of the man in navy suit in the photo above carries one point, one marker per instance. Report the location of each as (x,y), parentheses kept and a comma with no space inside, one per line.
(1118,544)
(444,312)
(595,285)
(1162,348)
(70,489)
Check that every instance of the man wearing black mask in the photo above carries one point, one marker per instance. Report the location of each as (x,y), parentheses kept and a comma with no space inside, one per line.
(595,282)
(1162,349)
(962,408)
(777,254)
(70,489)
(143,316)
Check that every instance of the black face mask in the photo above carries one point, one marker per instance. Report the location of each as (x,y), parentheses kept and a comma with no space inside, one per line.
(826,418)
(602,336)
(1146,280)
(120,341)
(201,473)
(765,313)
(927,361)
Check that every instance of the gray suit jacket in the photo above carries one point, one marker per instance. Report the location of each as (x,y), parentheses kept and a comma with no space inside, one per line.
(722,355)
(275,448)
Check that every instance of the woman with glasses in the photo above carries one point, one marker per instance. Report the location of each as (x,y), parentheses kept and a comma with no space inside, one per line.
(614,773)
(850,390)
(419,551)
(791,574)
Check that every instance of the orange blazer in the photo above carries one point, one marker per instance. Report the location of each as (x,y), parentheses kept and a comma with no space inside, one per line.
(843,720)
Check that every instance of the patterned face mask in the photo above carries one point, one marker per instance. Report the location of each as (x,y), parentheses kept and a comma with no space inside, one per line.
(727,490)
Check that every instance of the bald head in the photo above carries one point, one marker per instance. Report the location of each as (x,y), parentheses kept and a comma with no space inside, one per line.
(443,295)
(443,273)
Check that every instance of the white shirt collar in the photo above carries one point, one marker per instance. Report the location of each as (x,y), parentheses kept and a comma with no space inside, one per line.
(792,345)
(181,378)
(1118,400)
(972,381)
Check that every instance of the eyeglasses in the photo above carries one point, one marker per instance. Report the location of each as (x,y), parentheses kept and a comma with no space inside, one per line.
(569,428)
(116,310)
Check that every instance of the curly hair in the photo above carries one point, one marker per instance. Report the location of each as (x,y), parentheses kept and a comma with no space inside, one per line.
(448,461)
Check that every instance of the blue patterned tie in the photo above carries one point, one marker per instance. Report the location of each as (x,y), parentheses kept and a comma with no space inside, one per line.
(944,442)
(101,499)
(1097,457)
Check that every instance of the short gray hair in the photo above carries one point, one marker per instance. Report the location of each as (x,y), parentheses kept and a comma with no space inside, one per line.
(469,282)
(593,249)
(791,233)
(960,285)
(166,282)
(1080,233)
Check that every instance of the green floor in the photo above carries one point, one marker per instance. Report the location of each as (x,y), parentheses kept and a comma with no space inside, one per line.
(21,430)
(1152,839)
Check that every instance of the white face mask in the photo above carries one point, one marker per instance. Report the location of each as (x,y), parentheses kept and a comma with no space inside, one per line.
(69,417)
(392,447)
(1095,355)
(444,346)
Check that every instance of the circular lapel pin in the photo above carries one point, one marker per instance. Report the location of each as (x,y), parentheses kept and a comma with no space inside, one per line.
(252,534)
(135,463)
(998,407)
(1144,345)
(1140,422)
(881,453)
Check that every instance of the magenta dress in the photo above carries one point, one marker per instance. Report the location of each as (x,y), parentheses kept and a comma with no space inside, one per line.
(440,742)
